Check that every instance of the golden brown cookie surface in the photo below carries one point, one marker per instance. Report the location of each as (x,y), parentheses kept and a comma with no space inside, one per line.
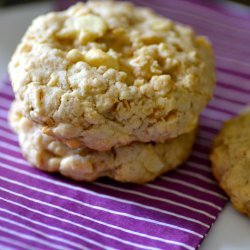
(231,161)
(105,74)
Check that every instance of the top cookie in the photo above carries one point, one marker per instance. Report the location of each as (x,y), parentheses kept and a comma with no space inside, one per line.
(231,161)
(105,74)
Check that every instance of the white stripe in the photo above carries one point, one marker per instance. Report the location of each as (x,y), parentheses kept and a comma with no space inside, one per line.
(3,115)
(28,237)
(197,176)
(231,64)
(220,15)
(76,214)
(190,185)
(54,182)
(4,111)
(193,14)
(210,15)
(3,95)
(17,243)
(8,135)
(198,166)
(15,159)
(90,241)
(233,80)
(48,226)
(4,247)
(216,115)
(171,191)
(8,90)
(149,196)
(232,95)
(200,154)
(95,207)
(41,233)
(206,135)
(213,122)
(5,124)
(224,112)
(227,48)
(74,223)
(241,64)
(202,142)
(10,147)
(23,162)
(205,26)
(9,132)
(226,105)
(209,122)
(168,201)
(7,85)
(5,104)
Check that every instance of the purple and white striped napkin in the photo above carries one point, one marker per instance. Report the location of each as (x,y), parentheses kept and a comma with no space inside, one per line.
(42,211)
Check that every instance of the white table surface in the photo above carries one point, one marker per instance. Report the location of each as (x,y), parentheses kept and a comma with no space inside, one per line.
(230,232)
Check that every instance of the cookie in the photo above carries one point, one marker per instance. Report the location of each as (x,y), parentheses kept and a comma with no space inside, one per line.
(135,163)
(106,74)
(231,161)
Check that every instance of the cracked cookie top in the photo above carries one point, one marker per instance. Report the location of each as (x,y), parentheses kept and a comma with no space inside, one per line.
(105,74)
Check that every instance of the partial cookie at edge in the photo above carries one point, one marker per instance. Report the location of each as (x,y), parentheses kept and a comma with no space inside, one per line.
(231,161)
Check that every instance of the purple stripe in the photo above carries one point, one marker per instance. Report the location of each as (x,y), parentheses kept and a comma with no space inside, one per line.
(204,12)
(207,128)
(222,93)
(80,221)
(2,119)
(94,204)
(199,160)
(188,7)
(2,138)
(15,237)
(223,110)
(4,128)
(3,107)
(184,16)
(197,170)
(221,9)
(105,229)
(192,179)
(155,194)
(113,205)
(227,97)
(236,87)
(196,193)
(234,72)
(6,96)
(51,221)
(43,244)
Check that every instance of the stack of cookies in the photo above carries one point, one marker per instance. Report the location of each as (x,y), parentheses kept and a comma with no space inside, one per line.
(109,89)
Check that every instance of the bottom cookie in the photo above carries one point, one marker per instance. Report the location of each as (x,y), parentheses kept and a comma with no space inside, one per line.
(135,163)
(231,161)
